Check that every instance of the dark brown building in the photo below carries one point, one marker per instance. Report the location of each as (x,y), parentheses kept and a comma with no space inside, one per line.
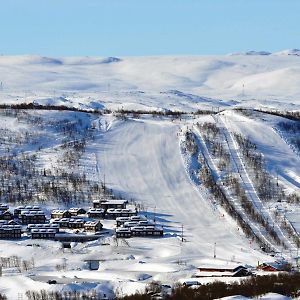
(58,214)
(33,217)
(75,211)
(93,226)
(111,203)
(10,231)
(96,213)
(113,213)
(6,215)
(48,234)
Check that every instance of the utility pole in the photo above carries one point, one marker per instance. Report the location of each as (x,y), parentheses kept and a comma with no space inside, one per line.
(215,250)
(104,187)
(182,233)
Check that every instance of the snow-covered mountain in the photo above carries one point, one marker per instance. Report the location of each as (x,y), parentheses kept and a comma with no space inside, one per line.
(247,79)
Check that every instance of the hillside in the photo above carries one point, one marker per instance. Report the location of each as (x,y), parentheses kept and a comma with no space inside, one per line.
(223,183)
(250,79)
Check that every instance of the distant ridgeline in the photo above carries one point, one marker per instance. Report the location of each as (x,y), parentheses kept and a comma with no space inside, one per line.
(32,105)
(37,106)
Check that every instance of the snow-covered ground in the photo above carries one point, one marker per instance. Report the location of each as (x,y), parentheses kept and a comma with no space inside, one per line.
(142,158)
(186,83)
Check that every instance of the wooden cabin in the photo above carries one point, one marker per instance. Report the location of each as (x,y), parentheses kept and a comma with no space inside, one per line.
(146,231)
(18,210)
(10,232)
(220,268)
(6,215)
(273,266)
(123,232)
(223,271)
(48,234)
(113,213)
(96,213)
(75,211)
(69,223)
(33,217)
(111,203)
(121,220)
(139,231)
(76,223)
(53,226)
(59,214)
(93,226)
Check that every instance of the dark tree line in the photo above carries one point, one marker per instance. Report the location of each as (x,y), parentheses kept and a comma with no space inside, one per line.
(214,141)
(251,210)
(293,129)
(265,185)
(67,295)
(190,143)
(283,283)
(291,115)
(209,182)
(23,181)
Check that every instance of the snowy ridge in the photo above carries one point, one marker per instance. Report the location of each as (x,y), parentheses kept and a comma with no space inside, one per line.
(194,82)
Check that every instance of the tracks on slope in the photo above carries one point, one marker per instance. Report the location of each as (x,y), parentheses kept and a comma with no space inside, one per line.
(256,230)
(247,183)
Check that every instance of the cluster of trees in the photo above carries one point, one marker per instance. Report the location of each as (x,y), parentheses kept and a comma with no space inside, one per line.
(123,114)
(210,131)
(291,115)
(250,209)
(284,284)
(293,128)
(73,151)
(16,262)
(35,106)
(291,232)
(151,112)
(213,139)
(67,295)
(290,127)
(266,187)
(209,182)
(22,180)
(190,142)
(293,198)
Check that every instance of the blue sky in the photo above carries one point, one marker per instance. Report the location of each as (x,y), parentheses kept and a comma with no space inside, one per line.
(140,27)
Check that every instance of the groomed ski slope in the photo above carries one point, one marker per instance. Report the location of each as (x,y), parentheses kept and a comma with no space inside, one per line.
(142,160)
(279,156)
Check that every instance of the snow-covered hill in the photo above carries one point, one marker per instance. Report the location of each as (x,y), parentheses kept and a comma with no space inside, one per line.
(247,79)
(143,158)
